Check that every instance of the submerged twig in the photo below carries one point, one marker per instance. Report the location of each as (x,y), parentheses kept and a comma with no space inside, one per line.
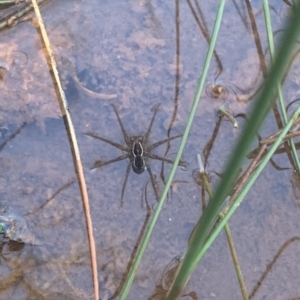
(63,187)
(17,12)
(245,177)
(271,265)
(12,136)
(74,146)
(5,2)
(273,138)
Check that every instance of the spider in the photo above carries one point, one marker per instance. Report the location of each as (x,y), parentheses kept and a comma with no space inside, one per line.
(137,149)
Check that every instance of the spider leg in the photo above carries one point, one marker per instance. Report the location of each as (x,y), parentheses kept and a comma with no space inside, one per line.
(126,137)
(153,146)
(125,181)
(152,180)
(99,163)
(151,122)
(154,156)
(117,145)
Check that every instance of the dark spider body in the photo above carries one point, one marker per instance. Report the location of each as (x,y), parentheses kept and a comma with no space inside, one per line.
(138,163)
(137,149)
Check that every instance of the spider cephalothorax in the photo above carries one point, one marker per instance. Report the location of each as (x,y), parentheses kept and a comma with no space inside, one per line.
(137,149)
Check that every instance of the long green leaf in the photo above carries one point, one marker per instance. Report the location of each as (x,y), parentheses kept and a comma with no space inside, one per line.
(279,89)
(155,215)
(262,106)
(249,184)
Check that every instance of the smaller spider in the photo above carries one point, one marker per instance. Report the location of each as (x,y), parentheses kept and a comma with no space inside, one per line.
(137,149)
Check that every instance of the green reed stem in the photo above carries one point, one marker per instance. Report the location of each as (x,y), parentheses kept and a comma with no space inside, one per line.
(234,256)
(236,263)
(278,85)
(155,215)
(202,230)
(249,184)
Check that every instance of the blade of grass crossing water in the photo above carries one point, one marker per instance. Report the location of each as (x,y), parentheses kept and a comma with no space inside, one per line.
(249,184)
(262,107)
(234,256)
(155,215)
(279,90)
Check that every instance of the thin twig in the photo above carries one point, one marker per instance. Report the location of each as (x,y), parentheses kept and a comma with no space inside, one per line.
(63,187)
(246,176)
(270,140)
(17,12)
(74,146)
(12,136)
(5,2)
(271,264)
(236,263)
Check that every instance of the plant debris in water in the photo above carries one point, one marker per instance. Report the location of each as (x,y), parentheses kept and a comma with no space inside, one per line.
(14,227)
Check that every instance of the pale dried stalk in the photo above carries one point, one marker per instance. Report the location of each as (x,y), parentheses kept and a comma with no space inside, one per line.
(78,164)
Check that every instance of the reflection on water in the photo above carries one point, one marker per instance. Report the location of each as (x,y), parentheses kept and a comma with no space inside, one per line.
(134,54)
(217,91)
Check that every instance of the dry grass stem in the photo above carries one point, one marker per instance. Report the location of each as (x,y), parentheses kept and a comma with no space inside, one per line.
(78,165)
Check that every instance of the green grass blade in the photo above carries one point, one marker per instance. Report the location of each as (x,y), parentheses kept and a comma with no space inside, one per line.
(155,215)
(249,184)
(279,90)
(230,241)
(236,263)
(262,107)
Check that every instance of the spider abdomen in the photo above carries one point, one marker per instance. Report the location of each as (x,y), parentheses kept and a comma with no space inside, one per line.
(138,163)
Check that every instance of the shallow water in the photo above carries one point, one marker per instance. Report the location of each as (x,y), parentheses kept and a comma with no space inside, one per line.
(125,53)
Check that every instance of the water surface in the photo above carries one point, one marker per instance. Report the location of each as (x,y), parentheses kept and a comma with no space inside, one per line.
(133,54)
